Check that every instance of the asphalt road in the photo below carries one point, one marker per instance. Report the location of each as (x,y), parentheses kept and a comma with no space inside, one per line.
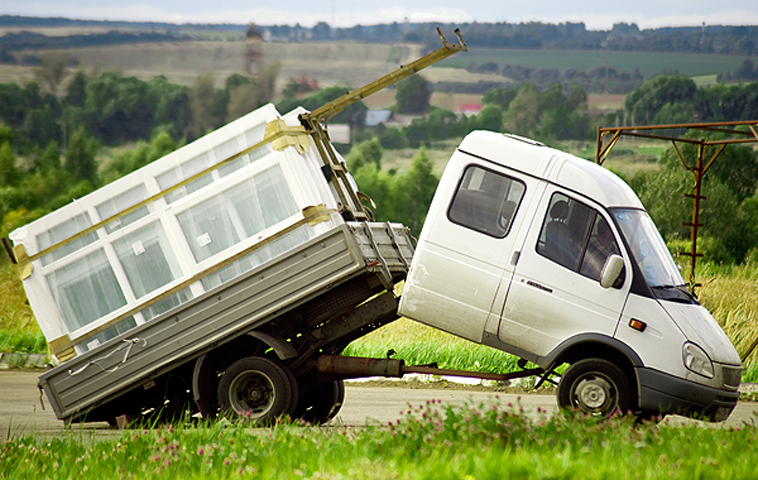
(21,412)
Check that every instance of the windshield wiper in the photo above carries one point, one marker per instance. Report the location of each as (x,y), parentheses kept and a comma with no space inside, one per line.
(675,293)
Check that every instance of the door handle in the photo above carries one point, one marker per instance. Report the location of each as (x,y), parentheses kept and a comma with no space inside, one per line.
(515,257)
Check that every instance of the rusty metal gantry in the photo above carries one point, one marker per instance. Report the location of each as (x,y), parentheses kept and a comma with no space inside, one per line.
(607,138)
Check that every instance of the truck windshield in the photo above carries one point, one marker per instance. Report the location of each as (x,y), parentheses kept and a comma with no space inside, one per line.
(649,249)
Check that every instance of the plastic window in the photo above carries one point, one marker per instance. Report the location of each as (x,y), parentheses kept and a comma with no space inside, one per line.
(86,290)
(147,259)
(223,221)
(182,172)
(63,231)
(120,203)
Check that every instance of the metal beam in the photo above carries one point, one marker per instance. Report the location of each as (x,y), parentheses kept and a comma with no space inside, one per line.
(729,129)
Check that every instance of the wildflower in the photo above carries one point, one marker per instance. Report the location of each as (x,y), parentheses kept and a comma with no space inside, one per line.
(200,451)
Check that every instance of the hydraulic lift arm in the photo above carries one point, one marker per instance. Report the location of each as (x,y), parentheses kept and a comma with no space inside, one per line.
(316,122)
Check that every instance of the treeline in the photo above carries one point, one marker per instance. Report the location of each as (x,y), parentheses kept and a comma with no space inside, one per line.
(13,43)
(731,40)
(597,80)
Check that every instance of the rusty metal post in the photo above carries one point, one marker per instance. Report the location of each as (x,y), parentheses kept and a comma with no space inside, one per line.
(695,225)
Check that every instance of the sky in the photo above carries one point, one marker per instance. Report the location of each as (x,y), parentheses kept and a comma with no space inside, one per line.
(596,15)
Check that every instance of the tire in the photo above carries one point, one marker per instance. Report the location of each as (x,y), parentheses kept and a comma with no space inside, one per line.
(320,401)
(596,387)
(257,390)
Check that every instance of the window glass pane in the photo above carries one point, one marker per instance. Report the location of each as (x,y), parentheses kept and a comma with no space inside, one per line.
(111,332)
(182,172)
(86,290)
(208,228)
(147,259)
(252,137)
(602,244)
(238,213)
(565,231)
(65,230)
(119,204)
(486,201)
(226,150)
(648,248)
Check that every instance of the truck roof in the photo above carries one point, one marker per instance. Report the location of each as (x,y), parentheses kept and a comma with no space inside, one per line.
(544,162)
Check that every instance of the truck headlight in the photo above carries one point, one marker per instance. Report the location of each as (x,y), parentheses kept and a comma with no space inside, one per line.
(697,360)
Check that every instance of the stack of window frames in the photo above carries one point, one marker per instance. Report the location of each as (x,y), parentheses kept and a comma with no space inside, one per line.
(180,225)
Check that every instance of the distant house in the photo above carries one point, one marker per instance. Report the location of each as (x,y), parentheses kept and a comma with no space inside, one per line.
(375,117)
(468,109)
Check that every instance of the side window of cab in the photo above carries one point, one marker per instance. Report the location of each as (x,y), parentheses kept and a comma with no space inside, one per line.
(486,201)
(576,236)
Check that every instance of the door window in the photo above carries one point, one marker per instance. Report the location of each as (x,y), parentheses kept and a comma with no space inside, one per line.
(486,201)
(576,236)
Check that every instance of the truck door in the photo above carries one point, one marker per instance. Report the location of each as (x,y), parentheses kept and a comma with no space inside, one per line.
(555,292)
(467,242)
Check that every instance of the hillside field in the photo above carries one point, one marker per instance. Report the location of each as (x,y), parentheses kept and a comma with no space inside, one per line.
(355,64)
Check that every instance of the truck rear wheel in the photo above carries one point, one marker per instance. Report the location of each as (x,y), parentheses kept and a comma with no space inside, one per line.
(595,386)
(320,401)
(256,389)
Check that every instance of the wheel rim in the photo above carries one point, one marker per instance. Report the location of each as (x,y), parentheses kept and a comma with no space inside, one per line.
(251,394)
(595,394)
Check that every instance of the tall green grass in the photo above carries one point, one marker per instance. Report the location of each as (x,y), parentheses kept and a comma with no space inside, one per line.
(15,313)
(428,442)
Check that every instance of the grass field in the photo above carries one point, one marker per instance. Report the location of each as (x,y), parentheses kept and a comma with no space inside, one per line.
(356,64)
(649,63)
(430,441)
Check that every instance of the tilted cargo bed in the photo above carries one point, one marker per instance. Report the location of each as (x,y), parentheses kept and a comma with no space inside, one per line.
(132,360)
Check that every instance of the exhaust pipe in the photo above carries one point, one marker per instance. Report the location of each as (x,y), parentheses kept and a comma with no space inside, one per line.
(337,366)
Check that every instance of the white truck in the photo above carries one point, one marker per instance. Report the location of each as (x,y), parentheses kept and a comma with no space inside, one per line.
(227,278)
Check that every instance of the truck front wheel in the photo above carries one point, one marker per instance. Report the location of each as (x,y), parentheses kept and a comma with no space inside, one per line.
(256,389)
(595,386)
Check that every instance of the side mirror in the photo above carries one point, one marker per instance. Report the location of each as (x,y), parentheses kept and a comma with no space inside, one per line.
(611,272)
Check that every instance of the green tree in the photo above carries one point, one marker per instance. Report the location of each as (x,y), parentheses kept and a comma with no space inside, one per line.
(52,70)
(172,112)
(9,174)
(377,184)
(502,97)
(644,103)
(201,104)
(76,92)
(48,159)
(368,152)
(119,109)
(413,94)
(522,116)
(412,192)
(489,118)
(6,134)
(80,157)
(243,99)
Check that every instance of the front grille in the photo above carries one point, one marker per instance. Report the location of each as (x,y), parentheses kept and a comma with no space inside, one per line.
(732,376)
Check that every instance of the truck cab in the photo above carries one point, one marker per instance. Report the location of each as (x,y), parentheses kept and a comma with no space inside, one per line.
(554,259)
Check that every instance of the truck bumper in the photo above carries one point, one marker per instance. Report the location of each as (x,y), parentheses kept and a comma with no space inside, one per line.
(664,393)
